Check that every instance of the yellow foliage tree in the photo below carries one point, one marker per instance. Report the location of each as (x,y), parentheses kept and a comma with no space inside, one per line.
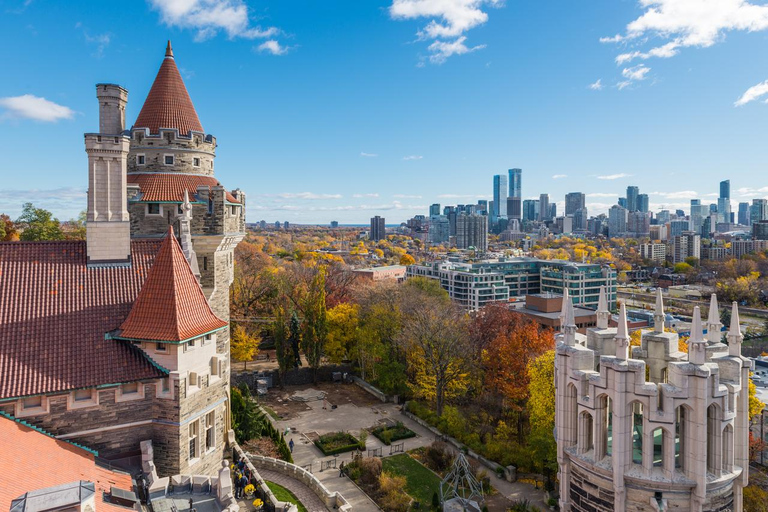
(755,405)
(243,347)
(407,259)
(342,332)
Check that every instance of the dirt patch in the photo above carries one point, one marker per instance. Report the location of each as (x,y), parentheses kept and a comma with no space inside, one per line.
(337,394)
(263,446)
(497,503)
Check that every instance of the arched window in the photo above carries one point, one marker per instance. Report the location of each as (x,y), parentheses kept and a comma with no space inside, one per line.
(682,415)
(714,462)
(571,415)
(636,408)
(658,447)
(604,431)
(728,448)
(585,432)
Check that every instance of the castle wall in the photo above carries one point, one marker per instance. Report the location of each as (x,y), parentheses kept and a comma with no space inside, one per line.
(184,149)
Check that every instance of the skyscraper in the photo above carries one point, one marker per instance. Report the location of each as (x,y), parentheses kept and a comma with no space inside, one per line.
(642,203)
(544,207)
(725,189)
(514,208)
(724,202)
(744,214)
(499,196)
(617,221)
(434,209)
(632,193)
(758,211)
(574,201)
(377,229)
(530,210)
(515,182)
(472,231)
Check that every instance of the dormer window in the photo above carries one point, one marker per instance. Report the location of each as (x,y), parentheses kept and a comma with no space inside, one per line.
(153,209)
(33,402)
(161,347)
(168,159)
(83,395)
(141,159)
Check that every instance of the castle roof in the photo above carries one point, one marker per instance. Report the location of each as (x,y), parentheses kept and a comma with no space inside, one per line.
(33,460)
(171,306)
(170,187)
(54,312)
(168,104)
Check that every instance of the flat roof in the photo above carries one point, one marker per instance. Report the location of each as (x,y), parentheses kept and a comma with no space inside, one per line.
(578,311)
(379,269)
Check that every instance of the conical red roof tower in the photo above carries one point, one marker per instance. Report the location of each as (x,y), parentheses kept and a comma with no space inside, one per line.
(168,104)
(171,306)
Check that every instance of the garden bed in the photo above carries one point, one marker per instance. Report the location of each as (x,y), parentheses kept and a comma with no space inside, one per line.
(283,494)
(389,435)
(337,442)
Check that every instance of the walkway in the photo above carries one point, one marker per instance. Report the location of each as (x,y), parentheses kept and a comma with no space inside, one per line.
(306,496)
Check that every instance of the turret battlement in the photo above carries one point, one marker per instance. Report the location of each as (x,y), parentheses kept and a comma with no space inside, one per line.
(170,151)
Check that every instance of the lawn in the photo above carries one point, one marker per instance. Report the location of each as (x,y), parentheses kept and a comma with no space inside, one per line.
(283,494)
(421,482)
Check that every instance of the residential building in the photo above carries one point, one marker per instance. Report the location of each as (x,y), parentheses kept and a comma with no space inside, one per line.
(617,221)
(580,219)
(654,251)
(724,202)
(686,245)
(475,284)
(334,224)
(741,247)
(499,197)
(552,211)
(100,355)
(472,232)
(564,224)
(434,210)
(632,193)
(439,229)
(650,427)
(378,230)
(574,201)
(642,203)
(544,209)
(663,217)
(760,230)
(758,211)
(639,223)
(658,232)
(678,226)
(516,183)
(743,214)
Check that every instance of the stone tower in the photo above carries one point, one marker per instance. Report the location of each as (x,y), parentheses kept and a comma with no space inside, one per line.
(659,430)
(171,186)
(108,227)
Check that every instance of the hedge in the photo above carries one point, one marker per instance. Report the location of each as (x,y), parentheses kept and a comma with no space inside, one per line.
(388,435)
(331,444)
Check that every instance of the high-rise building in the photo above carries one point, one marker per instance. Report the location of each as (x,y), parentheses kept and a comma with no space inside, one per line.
(623,202)
(617,221)
(574,201)
(638,223)
(724,202)
(686,245)
(544,211)
(482,207)
(678,226)
(632,193)
(439,229)
(472,231)
(580,219)
(450,213)
(654,252)
(699,212)
(553,211)
(662,217)
(642,203)
(725,189)
(760,230)
(434,209)
(530,210)
(515,182)
(744,214)
(378,232)
(758,211)
(499,197)
(514,208)
(334,224)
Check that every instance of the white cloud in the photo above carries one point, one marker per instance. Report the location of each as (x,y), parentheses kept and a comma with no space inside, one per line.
(686,23)
(602,194)
(413,157)
(753,93)
(682,194)
(208,17)
(597,86)
(441,50)
(273,47)
(559,176)
(64,203)
(368,155)
(34,107)
(449,20)
(636,72)
(460,196)
(365,195)
(308,195)
(406,196)
(613,176)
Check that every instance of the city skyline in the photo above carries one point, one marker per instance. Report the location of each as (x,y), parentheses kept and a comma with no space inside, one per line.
(317,107)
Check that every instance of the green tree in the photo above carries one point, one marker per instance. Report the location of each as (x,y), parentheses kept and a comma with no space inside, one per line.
(295,338)
(285,360)
(76,227)
(430,287)
(247,422)
(243,346)
(38,224)
(682,268)
(314,330)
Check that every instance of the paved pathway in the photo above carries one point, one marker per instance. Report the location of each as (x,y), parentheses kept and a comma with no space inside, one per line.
(306,496)
(351,418)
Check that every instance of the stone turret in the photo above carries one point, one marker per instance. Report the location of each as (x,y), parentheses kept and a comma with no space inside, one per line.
(622,334)
(568,320)
(714,325)
(603,314)
(658,314)
(735,338)
(697,344)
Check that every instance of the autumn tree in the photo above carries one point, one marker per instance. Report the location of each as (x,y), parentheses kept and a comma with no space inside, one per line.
(314,328)
(8,231)
(283,352)
(243,346)
(541,408)
(434,333)
(38,224)
(380,357)
(407,259)
(256,285)
(342,332)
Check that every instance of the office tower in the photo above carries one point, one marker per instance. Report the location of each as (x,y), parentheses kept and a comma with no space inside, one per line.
(698,214)
(662,217)
(530,210)
(760,230)
(499,197)
(725,189)
(642,203)
(617,221)
(286,225)
(724,202)
(553,211)
(744,214)
(758,211)
(632,193)
(434,210)
(580,219)
(574,201)
(544,207)
(482,206)
(472,231)
(450,213)
(514,208)
(623,202)
(377,229)
(334,224)
(515,182)
(564,224)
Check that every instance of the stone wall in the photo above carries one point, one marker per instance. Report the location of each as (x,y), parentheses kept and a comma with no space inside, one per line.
(184,149)
(295,377)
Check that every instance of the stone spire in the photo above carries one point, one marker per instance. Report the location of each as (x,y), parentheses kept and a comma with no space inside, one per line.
(622,335)
(713,321)
(568,319)
(185,233)
(696,343)
(169,50)
(603,315)
(734,333)
(658,314)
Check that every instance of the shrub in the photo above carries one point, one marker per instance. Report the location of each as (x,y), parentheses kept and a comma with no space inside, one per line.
(435,501)
(337,442)
(370,471)
(755,499)
(392,492)
(438,457)
(388,435)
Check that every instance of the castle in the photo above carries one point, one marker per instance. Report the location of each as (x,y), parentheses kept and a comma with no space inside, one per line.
(660,430)
(124,337)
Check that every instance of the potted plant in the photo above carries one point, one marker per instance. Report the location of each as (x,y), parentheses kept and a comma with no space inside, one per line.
(249,490)
(257,504)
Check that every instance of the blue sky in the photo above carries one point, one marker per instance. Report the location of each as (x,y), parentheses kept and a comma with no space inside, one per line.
(341,110)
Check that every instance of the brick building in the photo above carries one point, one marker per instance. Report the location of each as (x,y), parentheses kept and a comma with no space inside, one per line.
(125,337)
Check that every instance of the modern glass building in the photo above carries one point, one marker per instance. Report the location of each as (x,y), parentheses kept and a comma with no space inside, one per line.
(515,183)
(499,197)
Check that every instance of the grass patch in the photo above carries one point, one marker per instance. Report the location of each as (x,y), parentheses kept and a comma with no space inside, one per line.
(337,442)
(421,482)
(283,494)
(271,412)
(389,435)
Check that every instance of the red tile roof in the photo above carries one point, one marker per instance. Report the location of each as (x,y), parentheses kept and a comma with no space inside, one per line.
(54,312)
(168,104)
(171,186)
(31,460)
(171,305)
